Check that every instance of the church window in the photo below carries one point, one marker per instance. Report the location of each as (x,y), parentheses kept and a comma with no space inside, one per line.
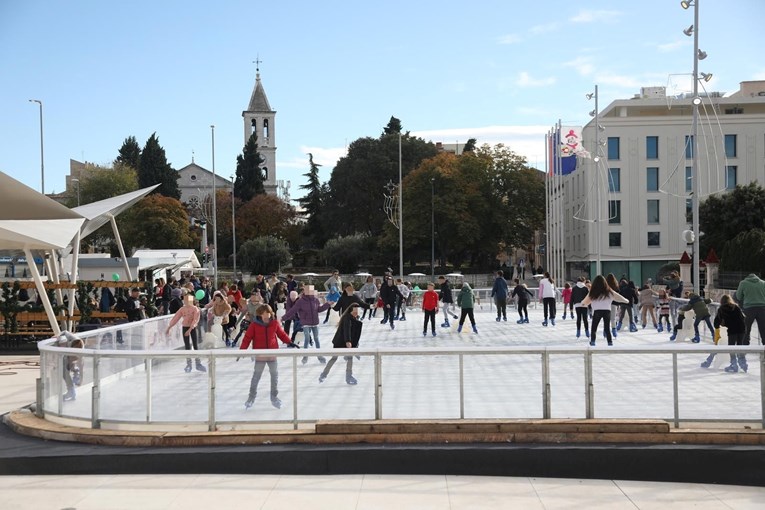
(265,128)
(193,177)
(254,126)
(265,173)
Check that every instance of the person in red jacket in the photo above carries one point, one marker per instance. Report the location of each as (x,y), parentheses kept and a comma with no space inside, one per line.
(263,333)
(429,308)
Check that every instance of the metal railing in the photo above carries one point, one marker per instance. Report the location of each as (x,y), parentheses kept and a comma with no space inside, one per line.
(140,384)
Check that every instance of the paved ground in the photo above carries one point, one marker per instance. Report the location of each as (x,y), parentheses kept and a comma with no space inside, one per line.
(362,491)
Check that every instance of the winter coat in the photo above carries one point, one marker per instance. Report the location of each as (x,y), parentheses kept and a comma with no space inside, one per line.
(264,336)
(348,330)
(546,288)
(499,290)
(522,293)
(333,281)
(698,305)
(389,293)
(445,293)
(430,300)
(751,292)
(307,308)
(566,295)
(345,301)
(732,318)
(628,293)
(578,293)
(646,297)
(107,300)
(368,291)
(675,286)
(466,298)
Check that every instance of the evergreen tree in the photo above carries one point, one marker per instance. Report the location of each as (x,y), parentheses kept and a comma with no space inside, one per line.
(129,153)
(469,145)
(154,169)
(249,175)
(393,127)
(311,203)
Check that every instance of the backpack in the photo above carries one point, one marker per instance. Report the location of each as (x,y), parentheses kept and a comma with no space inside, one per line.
(120,305)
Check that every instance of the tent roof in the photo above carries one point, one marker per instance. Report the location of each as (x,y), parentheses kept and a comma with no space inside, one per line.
(97,213)
(29,219)
(154,259)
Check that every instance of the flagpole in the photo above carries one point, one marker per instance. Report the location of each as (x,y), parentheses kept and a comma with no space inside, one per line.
(558,213)
(548,173)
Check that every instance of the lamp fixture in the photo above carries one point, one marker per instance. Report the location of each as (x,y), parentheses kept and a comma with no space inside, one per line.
(596,159)
(592,113)
(702,54)
(697,101)
(590,95)
(706,76)
(688,31)
(686,3)
(601,127)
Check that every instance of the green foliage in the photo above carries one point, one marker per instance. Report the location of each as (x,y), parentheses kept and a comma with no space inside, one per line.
(9,306)
(157,222)
(312,203)
(129,154)
(469,145)
(346,253)
(86,301)
(264,254)
(154,169)
(722,217)
(666,269)
(393,127)
(249,175)
(745,253)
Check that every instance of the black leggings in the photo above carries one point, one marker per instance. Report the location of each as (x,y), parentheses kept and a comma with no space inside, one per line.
(430,315)
(581,315)
(469,313)
(549,304)
(523,309)
(501,307)
(605,316)
(190,340)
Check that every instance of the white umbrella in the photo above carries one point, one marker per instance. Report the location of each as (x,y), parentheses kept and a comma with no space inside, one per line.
(455,275)
(417,274)
(363,274)
(309,274)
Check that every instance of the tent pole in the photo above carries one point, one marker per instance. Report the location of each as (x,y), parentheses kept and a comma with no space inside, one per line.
(41,292)
(121,248)
(73,277)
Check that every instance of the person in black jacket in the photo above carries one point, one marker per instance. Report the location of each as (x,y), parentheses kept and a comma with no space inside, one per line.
(731,316)
(133,307)
(388,294)
(348,298)
(346,337)
(578,293)
(446,299)
(523,294)
(628,292)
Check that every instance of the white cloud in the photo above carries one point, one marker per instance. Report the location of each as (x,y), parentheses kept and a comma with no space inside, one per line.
(583,65)
(525,80)
(600,16)
(544,29)
(509,39)
(325,156)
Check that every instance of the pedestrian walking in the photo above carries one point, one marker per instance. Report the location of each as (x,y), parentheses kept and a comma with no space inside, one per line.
(347,336)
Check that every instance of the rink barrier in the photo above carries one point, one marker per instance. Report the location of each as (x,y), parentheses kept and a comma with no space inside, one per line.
(51,388)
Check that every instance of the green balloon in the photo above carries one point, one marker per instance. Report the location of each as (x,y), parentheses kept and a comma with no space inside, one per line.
(200,294)
(116,277)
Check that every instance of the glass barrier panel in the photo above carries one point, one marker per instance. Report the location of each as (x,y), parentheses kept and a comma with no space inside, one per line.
(179,389)
(501,385)
(567,391)
(123,388)
(420,387)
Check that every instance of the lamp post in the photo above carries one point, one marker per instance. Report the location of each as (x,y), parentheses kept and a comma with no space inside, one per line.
(78,190)
(42,152)
(697,55)
(214,213)
(400,213)
(596,160)
(432,229)
(233,222)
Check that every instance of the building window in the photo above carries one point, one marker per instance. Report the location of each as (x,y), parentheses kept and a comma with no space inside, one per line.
(730,146)
(688,179)
(193,177)
(253,126)
(653,212)
(688,210)
(652,147)
(265,129)
(652,178)
(613,147)
(614,239)
(265,173)
(731,177)
(614,180)
(614,211)
(688,147)
(654,238)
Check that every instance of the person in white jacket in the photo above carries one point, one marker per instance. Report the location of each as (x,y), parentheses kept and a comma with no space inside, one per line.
(547,298)
(600,297)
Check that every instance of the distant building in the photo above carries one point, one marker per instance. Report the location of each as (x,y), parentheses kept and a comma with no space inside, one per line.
(646,180)
(195,184)
(260,119)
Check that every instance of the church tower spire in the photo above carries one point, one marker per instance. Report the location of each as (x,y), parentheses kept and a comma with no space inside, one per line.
(260,119)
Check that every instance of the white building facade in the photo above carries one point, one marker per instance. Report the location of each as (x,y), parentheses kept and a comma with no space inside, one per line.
(644,174)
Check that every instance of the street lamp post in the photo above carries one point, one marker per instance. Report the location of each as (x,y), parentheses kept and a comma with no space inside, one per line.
(42,152)
(432,230)
(233,222)
(214,213)
(400,213)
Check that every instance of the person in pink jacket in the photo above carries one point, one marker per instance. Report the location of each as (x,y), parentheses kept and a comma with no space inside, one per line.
(567,304)
(188,314)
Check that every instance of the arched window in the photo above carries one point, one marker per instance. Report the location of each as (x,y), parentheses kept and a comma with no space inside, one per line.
(253,126)
(265,129)
(265,173)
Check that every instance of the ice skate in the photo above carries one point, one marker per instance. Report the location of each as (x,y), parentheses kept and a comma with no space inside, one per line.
(276,402)
(660,328)
(424,333)
(696,339)
(707,362)
(459,328)
(498,319)
(613,332)
(250,401)
(526,320)
(544,323)
(322,377)
(504,319)
(733,367)
(445,324)
(349,379)
(76,377)
(403,318)
(322,360)
(578,332)
(619,326)
(587,332)
(188,367)
(552,321)
(592,343)
(520,321)
(70,395)
(673,337)
(433,333)
(475,330)
(633,327)
(200,367)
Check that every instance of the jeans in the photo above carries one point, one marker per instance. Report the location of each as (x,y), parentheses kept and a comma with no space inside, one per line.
(311,332)
(755,313)
(698,320)
(331,362)
(258,371)
(597,316)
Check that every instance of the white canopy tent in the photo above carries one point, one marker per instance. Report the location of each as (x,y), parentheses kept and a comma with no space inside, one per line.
(31,221)
(160,260)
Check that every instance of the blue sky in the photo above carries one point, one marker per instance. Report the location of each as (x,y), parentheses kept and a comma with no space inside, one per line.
(499,71)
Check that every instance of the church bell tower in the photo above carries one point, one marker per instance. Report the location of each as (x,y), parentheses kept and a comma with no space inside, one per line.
(260,119)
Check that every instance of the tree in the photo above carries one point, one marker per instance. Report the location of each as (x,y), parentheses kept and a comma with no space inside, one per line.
(129,154)
(722,217)
(469,145)
(346,253)
(154,169)
(264,215)
(745,253)
(264,254)
(311,203)
(393,127)
(157,222)
(249,175)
